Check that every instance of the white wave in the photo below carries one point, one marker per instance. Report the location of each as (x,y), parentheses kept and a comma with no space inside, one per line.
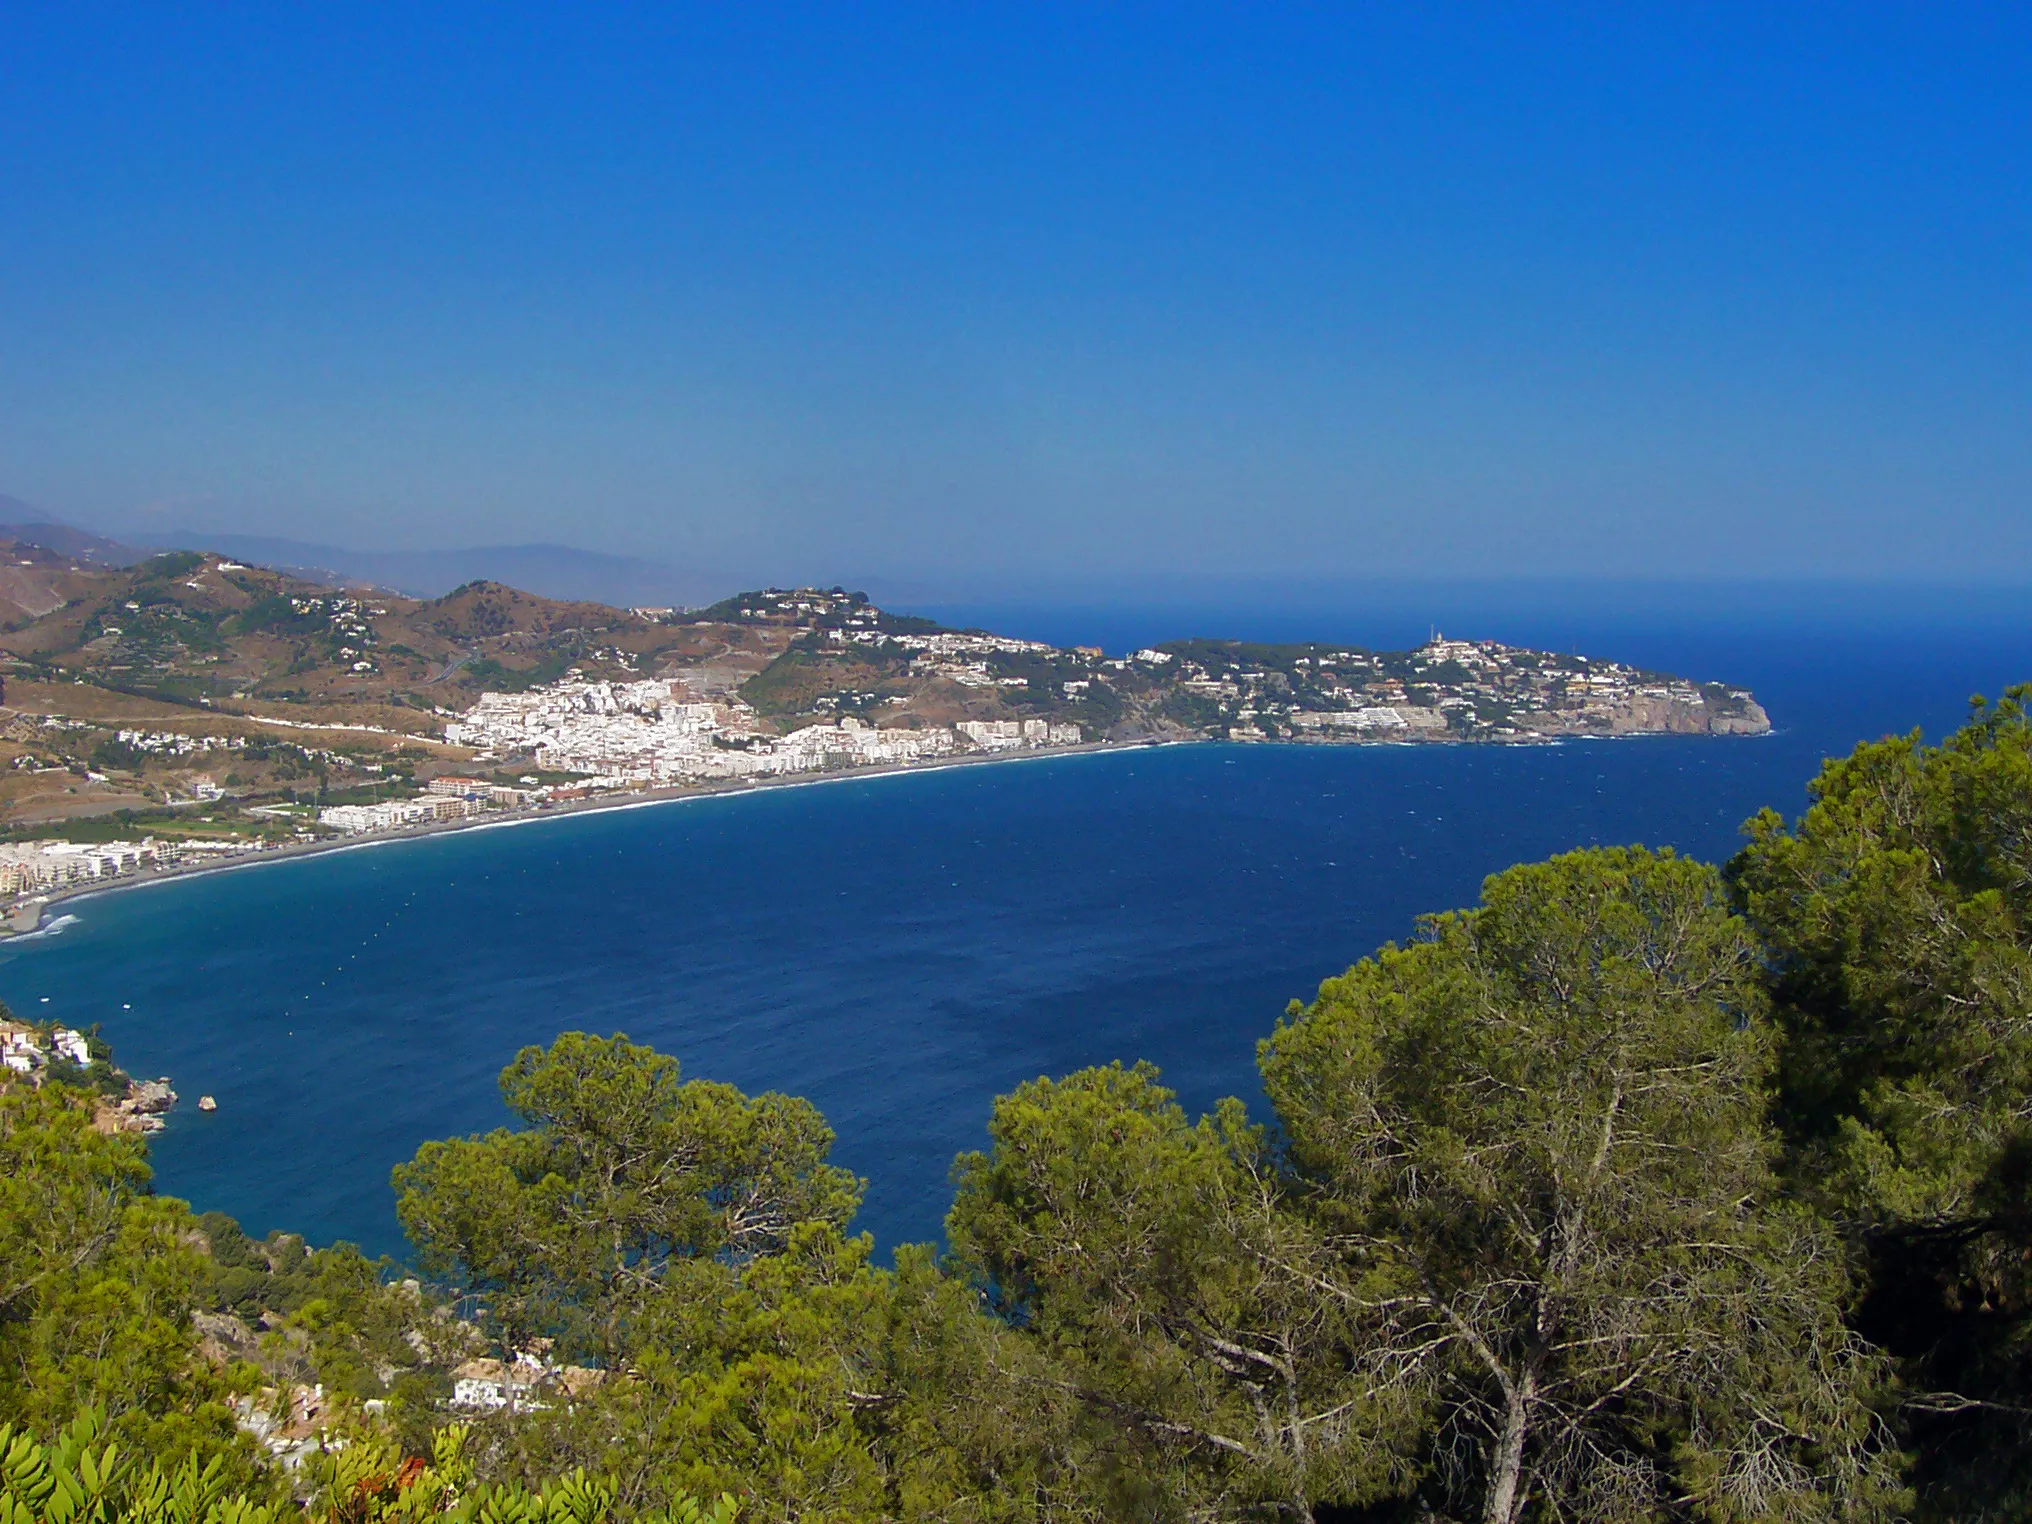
(52,928)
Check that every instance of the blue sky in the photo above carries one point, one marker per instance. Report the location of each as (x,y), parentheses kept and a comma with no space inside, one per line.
(985,296)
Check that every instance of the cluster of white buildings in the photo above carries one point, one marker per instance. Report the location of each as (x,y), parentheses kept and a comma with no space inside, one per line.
(172,743)
(1469,687)
(1372,719)
(946,645)
(488,1386)
(619,736)
(1002,735)
(849,743)
(391,813)
(596,727)
(348,623)
(650,733)
(32,867)
(1544,695)
(442,799)
(44,867)
(29,1052)
(23,1051)
(960,658)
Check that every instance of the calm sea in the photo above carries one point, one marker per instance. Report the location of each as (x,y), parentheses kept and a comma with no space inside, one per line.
(902,949)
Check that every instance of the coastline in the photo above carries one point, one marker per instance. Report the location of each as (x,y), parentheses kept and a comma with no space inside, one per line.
(680,793)
(673,926)
(536,815)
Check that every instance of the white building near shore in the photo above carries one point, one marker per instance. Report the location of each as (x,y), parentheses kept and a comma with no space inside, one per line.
(648,733)
(390,813)
(37,866)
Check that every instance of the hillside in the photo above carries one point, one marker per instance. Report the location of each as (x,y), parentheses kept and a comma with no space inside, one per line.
(186,627)
(139,687)
(847,657)
(128,686)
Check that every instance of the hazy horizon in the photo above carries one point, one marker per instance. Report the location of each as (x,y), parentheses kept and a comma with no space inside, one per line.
(1289,601)
(1033,296)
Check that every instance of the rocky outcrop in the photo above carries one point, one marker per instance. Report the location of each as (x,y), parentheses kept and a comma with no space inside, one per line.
(1746,718)
(1643,715)
(141,1109)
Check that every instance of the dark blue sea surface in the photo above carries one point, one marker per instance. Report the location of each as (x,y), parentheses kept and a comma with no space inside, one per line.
(902,949)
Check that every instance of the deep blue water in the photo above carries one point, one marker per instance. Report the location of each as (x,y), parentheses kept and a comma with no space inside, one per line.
(902,949)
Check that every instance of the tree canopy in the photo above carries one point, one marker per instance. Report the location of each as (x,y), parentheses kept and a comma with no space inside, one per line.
(688,1239)
(1535,1142)
(1517,1246)
(98,1280)
(1897,920)
(623,1172)
(1154,1267)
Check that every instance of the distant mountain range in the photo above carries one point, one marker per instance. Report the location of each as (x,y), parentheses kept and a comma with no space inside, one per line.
(79,545)
(555,571)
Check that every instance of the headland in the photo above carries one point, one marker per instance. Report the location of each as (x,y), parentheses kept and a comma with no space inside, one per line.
(191,712)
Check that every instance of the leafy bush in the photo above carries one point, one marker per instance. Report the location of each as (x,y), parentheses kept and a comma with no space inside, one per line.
(84,1477)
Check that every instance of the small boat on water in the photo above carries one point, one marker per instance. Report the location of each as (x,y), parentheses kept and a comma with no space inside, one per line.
(206,1103)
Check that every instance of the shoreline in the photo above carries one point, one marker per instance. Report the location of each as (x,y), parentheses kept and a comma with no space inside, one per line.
(681,793)
(536,815)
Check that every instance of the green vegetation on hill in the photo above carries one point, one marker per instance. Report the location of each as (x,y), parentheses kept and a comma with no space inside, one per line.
(98,1279)
(1897,918)
(1638,1191)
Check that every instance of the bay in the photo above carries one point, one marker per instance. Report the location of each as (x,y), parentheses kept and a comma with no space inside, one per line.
(902,949)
